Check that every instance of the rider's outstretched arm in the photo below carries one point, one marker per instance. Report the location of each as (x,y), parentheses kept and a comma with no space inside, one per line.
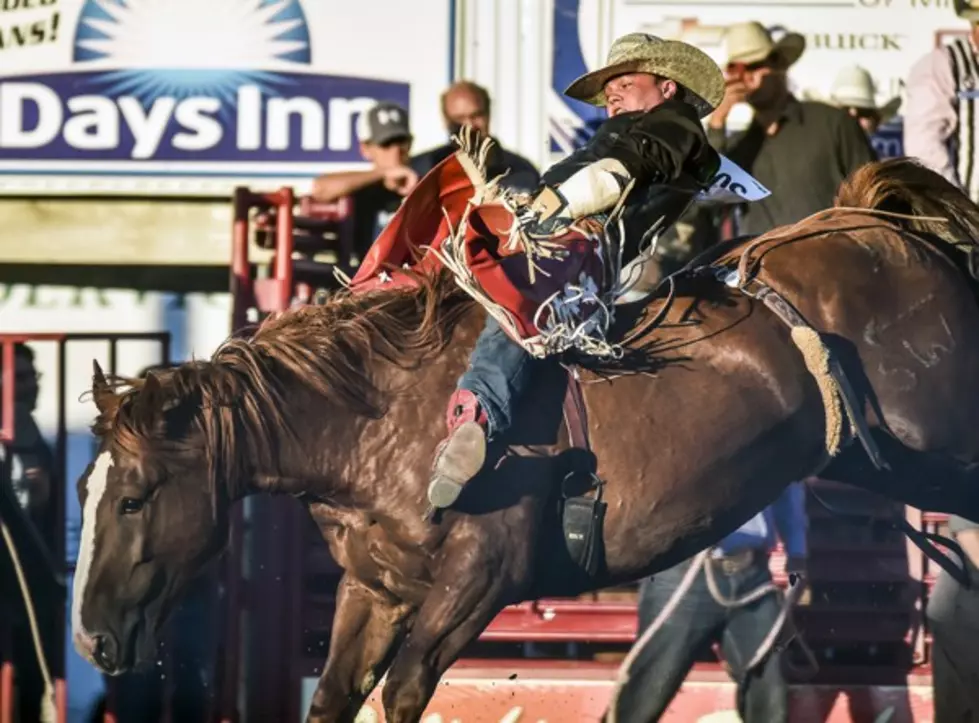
(656,146)
(665,143)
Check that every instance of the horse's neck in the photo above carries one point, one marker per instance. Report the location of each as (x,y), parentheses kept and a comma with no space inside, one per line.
(296,458)
(350,460)
(385,462)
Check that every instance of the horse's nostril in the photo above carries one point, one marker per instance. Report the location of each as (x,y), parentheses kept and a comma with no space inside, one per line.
(102,652)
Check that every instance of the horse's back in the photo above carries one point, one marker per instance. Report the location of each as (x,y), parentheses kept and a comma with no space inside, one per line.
(898,308)
(713,411)
(901,317)
(676,427)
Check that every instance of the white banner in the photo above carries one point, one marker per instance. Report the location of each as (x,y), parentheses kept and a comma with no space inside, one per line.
(197,96)
(884,36)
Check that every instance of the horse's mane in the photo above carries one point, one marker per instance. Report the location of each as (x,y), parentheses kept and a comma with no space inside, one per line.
(331,348)
(905,186)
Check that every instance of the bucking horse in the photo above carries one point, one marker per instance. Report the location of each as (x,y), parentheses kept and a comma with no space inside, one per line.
(847,344)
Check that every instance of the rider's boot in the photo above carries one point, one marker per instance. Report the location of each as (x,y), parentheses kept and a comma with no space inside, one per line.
(461,455)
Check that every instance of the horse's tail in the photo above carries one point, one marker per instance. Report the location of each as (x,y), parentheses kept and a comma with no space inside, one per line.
(904,186)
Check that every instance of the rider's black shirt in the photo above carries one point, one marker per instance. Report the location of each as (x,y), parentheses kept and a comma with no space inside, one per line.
(665,150)
(662,145)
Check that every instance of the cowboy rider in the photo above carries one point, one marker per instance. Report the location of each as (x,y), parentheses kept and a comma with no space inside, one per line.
(656,92)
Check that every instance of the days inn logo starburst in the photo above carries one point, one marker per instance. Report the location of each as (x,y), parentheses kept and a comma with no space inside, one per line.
(192,33)
(188,47)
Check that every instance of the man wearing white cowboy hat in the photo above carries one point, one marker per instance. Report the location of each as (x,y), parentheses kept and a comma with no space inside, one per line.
(853,90)
(751,45)
(656,92)
(801,150)
(942,117)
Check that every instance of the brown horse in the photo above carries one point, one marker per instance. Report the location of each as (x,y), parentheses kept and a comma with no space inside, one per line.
(341,405)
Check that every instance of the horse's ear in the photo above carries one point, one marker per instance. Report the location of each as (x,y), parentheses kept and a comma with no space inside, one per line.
(101,391)
(153,400)
(150,392)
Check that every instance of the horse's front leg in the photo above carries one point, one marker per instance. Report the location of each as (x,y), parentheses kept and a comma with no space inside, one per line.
(366,628)
(465,597)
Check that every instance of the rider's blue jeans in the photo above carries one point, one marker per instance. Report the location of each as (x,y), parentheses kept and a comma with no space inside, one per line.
(499,372)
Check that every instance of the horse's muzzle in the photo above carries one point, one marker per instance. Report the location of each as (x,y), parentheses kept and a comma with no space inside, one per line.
(85,645)
(100,649)
(104,652)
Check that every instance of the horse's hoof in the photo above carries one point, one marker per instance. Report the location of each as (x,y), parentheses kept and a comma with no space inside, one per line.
(458,462)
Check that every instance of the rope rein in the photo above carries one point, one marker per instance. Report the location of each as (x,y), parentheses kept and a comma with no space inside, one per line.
(48,714)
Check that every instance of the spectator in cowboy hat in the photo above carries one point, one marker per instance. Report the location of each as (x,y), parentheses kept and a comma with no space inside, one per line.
(750,44)
(853,90)
(940,123)
(801,150)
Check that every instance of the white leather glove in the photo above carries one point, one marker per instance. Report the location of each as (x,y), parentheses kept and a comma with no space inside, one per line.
(592,189)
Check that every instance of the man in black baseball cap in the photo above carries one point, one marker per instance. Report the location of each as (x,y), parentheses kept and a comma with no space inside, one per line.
(385,140)
(384,124)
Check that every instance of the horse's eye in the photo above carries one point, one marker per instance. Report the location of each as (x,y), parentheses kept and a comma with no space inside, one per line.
(130,505)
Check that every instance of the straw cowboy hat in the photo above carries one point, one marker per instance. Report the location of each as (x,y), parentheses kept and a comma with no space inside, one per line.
(672,59)
(967,9)
(854,88)
(749,43)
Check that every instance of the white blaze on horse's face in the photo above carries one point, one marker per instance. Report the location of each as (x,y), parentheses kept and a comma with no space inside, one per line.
(95,487)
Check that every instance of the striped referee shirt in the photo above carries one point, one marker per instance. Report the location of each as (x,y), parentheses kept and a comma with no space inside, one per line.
(941,123)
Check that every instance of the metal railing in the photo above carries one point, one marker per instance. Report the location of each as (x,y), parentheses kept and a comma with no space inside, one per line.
(246,292)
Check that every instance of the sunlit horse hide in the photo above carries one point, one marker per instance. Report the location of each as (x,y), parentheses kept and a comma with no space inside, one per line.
(697,428)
